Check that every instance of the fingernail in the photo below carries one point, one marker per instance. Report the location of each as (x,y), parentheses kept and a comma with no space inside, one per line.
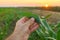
(32,19)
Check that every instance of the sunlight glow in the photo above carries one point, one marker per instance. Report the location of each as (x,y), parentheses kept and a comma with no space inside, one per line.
(46,5)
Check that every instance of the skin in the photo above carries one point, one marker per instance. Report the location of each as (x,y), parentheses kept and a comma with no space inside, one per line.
(24,27)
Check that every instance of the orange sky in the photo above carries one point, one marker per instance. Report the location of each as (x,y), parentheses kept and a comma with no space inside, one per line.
(29,2)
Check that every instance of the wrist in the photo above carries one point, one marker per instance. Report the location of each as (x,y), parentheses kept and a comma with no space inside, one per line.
(19,36)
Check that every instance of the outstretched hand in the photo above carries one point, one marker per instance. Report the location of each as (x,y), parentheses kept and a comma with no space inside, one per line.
(23,29)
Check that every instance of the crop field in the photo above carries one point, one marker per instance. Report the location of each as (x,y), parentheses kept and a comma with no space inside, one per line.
(9,17)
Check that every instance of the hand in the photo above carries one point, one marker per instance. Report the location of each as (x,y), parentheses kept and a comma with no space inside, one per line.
(23,28)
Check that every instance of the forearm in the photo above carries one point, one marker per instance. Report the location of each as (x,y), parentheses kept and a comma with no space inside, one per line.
(13,37)
(16,37)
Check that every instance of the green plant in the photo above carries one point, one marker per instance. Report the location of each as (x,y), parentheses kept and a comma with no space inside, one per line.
(44,32)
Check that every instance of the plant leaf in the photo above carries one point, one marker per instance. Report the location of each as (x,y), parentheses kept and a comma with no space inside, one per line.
(58,35)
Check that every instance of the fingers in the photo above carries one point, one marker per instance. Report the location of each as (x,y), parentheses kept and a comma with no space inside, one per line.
(23,20)
(34,27)
(29,22)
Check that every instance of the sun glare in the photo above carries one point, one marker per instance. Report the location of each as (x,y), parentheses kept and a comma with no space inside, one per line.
(46,5)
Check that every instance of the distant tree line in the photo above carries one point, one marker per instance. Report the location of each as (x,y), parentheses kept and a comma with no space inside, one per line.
(57,9)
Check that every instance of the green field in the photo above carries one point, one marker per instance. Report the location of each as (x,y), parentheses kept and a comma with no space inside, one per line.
(8,18)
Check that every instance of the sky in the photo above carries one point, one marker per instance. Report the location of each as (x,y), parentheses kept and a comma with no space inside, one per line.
(16,3)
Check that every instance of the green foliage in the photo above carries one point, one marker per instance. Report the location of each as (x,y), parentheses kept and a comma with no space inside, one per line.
(48,16)
(48,33)
(58,35)
(58,31)
(9,17)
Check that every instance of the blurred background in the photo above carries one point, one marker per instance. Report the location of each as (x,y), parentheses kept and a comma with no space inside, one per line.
(10,12)
(10,15)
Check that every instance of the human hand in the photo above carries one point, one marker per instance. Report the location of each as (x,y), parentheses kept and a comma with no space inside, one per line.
(24,27)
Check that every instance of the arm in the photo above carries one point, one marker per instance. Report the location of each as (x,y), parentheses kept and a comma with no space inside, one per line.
(23,29)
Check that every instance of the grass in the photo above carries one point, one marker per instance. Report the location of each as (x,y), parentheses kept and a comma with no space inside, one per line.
(9,16)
